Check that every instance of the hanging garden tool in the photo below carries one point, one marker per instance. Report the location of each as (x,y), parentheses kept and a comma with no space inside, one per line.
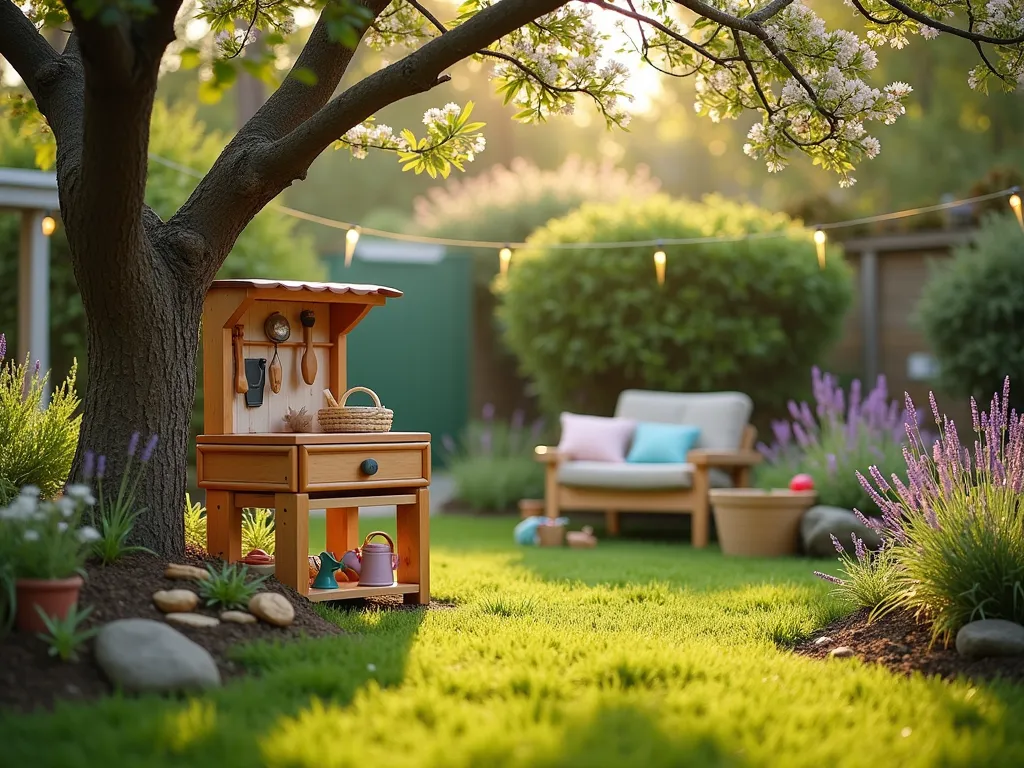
(237,340)
(278,330)
(308,319)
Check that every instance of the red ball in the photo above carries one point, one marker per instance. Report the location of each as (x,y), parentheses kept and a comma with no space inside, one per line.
(801,483)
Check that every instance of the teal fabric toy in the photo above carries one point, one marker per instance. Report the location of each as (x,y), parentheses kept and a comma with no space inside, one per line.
(526,530)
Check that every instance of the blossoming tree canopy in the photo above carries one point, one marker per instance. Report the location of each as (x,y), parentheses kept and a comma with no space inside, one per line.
(143,278)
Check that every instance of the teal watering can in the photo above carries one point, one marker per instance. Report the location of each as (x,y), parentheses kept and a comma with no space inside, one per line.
(325,576)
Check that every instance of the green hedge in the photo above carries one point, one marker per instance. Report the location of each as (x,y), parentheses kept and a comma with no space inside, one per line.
(750,315)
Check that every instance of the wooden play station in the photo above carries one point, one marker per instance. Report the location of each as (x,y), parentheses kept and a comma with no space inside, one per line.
(271,349)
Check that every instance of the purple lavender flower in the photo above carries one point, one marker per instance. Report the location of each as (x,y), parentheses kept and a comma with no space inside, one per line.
(133,444)
(486,441)
(858,547)
(147,452)
(488,412)
(89,465)
(518,419)
(537,429)
(3,346)
(827,577)
(449,443)
(101,466)
(836,544)
(35,371)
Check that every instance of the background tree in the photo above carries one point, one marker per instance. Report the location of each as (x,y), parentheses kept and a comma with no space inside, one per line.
(142,278)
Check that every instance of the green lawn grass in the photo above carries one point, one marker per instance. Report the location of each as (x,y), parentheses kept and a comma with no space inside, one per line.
(633,654)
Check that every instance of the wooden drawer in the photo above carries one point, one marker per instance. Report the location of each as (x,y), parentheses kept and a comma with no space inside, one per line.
(248,467)
(341,467)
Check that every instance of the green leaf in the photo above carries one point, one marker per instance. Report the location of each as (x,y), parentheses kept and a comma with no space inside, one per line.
(190,58)
(224,73)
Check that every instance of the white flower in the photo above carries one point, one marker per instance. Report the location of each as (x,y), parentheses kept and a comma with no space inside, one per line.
(67,506)
(30,492)
(62,526)
(31,535)
(80,492)
(87,533)
(928,33)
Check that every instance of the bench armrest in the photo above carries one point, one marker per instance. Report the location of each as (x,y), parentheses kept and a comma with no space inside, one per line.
(724,459)
(546,454)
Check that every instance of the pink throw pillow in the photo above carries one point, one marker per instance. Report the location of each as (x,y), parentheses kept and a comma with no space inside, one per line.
(595,438)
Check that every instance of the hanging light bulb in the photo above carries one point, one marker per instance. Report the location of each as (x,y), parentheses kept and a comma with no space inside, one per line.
(819,241)
(48,225)
(659,264)
(504,258)
(1015,203)
(351,238)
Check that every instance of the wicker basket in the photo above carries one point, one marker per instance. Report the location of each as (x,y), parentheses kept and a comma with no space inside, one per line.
(356,418)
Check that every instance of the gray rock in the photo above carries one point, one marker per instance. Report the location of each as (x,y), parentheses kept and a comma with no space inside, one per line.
(842,652)
(142,655)
(820,521)
(990,637)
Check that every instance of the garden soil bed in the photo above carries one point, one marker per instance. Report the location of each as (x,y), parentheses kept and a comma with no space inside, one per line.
(30,679)
(900,643)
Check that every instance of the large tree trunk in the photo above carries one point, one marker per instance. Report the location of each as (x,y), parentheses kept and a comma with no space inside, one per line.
(142,378)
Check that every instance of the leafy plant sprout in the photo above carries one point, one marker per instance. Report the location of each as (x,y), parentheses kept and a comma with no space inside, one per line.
(229,587)
(258,530)
(63,636)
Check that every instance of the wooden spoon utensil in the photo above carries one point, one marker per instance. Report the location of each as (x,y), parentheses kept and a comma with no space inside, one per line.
(308,319)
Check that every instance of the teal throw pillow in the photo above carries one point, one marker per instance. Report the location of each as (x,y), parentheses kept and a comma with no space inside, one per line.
(662,443)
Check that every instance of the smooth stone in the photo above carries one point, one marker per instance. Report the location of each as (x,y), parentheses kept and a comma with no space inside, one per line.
(143,655)
(990,637)
(238,617)
(176,600)
(272,608)
(192,619)
(191,572)
(824,639)
(842,652)
(820,521)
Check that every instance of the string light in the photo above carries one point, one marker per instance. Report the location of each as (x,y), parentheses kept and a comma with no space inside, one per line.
(504,258)
(659,264)
(48,225)
(1015,203)
(351,238)
(819,240)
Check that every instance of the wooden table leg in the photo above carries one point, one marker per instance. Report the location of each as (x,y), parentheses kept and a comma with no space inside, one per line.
(342,530)
(291,539)
(223,526)
(414,546)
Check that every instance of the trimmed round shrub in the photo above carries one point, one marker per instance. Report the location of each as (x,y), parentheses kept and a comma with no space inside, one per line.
(972,313)
(749,315)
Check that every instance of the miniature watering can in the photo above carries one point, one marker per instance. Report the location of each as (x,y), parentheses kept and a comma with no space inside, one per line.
(325,576)
(379,562)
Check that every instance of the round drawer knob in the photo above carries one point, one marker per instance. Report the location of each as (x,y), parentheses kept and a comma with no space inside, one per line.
(368,467)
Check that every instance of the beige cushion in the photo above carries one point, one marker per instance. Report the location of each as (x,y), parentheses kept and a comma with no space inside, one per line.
(721,416)
(634,477)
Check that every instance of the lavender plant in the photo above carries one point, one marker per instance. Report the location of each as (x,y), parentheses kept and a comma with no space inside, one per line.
(493,465)
(115,517)
(840,436)
(953,532)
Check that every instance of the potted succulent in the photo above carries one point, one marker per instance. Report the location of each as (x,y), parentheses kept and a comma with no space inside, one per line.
(44,548)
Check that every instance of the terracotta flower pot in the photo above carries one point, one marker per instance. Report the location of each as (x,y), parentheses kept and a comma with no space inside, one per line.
(54,596)
(756,523)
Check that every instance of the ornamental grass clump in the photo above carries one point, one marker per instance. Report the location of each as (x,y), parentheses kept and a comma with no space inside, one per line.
(953,533)
(835,439)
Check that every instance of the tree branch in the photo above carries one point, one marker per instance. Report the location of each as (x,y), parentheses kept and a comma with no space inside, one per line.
(24,48)
(910,13)
(295,101)
(249,178)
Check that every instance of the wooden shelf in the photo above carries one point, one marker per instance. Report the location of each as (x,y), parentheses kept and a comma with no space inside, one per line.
(350,591)
(314,438)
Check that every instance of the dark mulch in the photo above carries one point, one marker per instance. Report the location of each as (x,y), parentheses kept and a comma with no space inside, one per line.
(900,643)
(30,679)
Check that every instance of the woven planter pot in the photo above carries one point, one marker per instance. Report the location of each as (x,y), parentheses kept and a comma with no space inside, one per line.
(550,535)
(356,418)
(756,523)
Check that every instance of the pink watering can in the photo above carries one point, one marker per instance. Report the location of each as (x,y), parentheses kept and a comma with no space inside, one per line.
(379,562)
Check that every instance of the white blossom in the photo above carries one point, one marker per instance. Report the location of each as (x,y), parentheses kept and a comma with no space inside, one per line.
(88,534)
